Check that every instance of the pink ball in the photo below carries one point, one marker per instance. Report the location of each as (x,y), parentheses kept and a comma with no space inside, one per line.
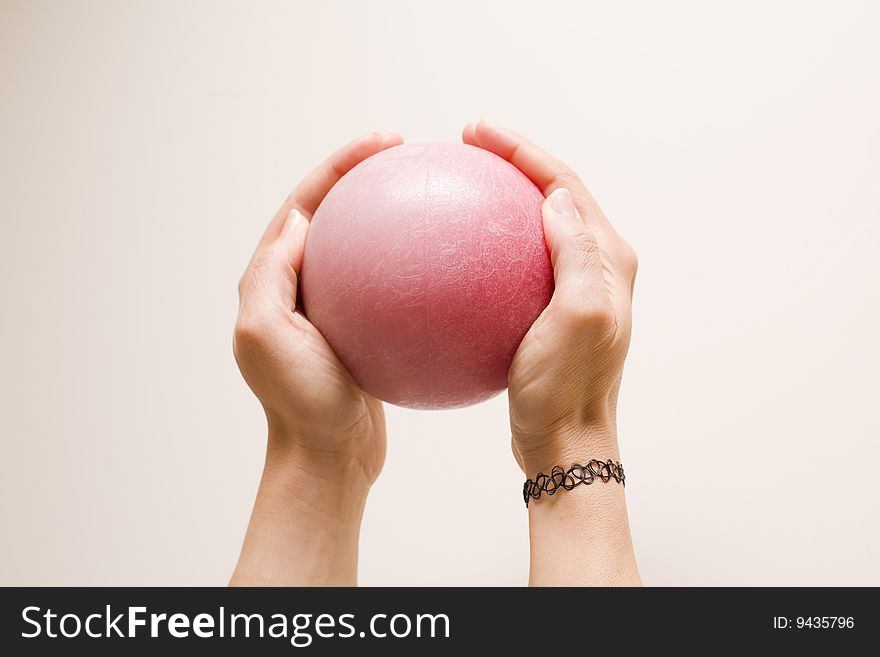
(424,268)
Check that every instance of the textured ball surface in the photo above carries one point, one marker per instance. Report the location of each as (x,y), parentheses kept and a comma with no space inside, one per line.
(424,268)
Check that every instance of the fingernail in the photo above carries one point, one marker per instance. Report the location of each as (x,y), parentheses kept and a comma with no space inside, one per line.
(560,201)
(293,220)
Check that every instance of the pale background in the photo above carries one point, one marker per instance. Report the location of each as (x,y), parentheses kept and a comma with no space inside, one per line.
(143,147)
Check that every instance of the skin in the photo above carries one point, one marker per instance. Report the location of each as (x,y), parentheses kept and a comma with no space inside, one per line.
(565,376)
(326,443)
(326,437)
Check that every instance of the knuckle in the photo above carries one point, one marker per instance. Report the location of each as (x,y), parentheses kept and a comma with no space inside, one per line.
(263,261)
(569,179)
(585,315)
(630,258)
(249,334)
(242,285)
(584,242)
(265,258)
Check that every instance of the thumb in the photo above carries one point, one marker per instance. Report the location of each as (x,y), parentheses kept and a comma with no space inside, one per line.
(270,279)
(577,261)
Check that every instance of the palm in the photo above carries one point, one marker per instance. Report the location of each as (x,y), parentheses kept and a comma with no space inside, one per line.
(329,391)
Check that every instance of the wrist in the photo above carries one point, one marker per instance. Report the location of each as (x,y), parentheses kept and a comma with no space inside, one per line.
(353,451)
(567,446)
(328,483)
(305,526)
(581,536)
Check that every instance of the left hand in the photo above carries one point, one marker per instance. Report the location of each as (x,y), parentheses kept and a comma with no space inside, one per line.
(566,373)
(565,376)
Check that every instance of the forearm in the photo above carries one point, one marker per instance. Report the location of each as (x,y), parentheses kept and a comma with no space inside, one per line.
(581,537)
(305,524)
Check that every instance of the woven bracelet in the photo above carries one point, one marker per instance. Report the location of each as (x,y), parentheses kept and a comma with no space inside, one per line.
(568,479)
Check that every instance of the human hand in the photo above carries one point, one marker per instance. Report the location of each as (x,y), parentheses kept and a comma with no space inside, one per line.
(565,376)
(326,441)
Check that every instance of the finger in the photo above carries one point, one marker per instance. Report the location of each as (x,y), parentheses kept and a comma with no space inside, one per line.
(311,191)
(542,168)
(578,271)
(468,135)
(550,174)
(262,275)
(314,187)
(268,287)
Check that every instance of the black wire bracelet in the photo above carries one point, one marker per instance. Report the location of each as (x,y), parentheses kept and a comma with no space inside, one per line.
(568,479)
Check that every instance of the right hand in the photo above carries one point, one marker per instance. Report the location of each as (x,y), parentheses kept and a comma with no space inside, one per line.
(326,435)
(317,413)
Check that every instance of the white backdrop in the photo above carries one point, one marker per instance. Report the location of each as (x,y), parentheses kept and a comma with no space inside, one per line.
(145,146)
